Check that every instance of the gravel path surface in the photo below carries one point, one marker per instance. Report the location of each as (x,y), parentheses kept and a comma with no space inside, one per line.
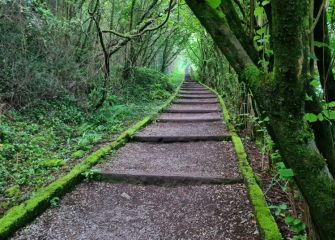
(210,159)
(128,212)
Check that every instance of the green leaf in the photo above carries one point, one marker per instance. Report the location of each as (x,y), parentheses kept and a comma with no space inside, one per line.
(308,98)
(266,2)
(315,83)
(289,220)
(330,104)
(320,44)
(311,117)
(256,37)
(280,165)
(320,117)
(329,114)
(214,4)
(286,173)
(258,11)
(261,31)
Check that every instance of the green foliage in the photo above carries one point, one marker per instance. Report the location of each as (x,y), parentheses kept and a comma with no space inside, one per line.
(327,113)
(20,215)
(213,3)
(78,154)
(33,47)
(275,157)
(53,163)
(13,191)
(280,210)
(311,117)
(295,225)
(283,172)
(39,144)
(54,202)
(89,175)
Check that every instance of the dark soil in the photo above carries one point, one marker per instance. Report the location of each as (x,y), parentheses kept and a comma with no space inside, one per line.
(274,194)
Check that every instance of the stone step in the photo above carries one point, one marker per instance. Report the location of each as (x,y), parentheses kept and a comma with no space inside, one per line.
(205,92)
(178,162)
(144,178)
(194,108)
(185,96)
(194,89)
(191,85)
(183,132)
(189,117)
(118,211)
(197,101)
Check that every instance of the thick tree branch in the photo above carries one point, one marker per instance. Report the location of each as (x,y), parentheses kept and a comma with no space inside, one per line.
(134,35)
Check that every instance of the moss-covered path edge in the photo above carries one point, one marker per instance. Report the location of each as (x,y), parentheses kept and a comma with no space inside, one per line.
(267,225)
(20,215)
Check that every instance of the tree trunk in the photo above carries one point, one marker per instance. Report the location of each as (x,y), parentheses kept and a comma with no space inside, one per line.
(282,97)
(237,28)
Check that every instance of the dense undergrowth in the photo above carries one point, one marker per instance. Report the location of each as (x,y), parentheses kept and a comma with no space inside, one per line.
(40,142)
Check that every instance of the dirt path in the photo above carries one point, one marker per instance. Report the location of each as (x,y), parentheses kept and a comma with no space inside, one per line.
(178,179)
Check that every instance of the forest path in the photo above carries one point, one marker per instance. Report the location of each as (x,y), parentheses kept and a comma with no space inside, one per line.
(177,179)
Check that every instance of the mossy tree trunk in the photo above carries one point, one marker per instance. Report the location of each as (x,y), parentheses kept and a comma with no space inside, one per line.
(282,95)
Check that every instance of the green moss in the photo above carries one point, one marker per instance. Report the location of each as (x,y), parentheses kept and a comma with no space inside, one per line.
(13,191)
(257,79)
(20,215)
(53,163)
(266,223)
(251,73)
(78,154)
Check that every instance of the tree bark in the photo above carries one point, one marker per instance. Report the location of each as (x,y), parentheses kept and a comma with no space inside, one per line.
(237,28)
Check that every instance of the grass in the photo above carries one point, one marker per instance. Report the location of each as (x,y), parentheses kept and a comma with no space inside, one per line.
(39,145)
